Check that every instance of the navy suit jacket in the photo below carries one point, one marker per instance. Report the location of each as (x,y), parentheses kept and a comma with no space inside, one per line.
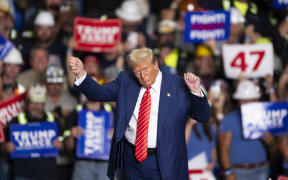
(176,103)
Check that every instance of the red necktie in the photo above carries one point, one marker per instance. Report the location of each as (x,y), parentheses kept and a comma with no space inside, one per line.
(142,127)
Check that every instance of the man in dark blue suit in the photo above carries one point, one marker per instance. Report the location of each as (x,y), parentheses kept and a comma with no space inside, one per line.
(157,149)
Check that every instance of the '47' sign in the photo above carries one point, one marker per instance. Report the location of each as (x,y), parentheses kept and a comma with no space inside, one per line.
(250,60)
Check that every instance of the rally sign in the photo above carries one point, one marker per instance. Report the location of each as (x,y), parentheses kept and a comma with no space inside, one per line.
(5,47)
(258,118)
(96,141)
(202,26)
(252,61)
(11,108)
(280,4)
(95,35)
(34,140)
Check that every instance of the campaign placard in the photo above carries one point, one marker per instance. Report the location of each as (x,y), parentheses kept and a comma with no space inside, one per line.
(96,141)
(260,117)
(11,108)
(33,140)
(252,61)
(5,47)
(280,4)
(95,35)
(202,26)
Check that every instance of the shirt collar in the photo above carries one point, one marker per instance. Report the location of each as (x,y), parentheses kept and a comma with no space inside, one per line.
(157,84)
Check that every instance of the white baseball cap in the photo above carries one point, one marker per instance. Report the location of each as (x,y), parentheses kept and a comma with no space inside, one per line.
(130,10)
(44,18)
(13,57)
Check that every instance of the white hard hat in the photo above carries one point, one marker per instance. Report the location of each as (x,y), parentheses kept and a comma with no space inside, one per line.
(13,57)
(44,18)
(37,93)
(236,17)
(130,10)
(246,90)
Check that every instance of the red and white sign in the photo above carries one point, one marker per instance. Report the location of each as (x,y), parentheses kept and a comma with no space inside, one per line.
(95,35)
(253,61)
(11,108)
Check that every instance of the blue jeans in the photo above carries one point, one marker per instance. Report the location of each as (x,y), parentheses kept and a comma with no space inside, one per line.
(260,173)
(86,169)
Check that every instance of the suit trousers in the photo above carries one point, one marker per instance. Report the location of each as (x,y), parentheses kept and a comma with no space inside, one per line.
(147,170)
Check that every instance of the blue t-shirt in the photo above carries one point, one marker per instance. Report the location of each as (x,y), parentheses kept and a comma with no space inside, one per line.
(242,151)
(196,146)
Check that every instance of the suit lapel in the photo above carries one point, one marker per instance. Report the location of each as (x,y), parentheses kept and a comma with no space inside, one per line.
(132,96)
(165,105)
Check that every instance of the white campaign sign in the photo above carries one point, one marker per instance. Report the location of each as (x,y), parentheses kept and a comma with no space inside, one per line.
(252,61)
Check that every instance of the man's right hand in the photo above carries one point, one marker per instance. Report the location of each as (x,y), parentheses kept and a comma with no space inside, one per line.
(76,66)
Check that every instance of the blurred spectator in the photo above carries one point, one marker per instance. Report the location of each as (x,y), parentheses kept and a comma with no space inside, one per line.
(241,158)
(45,38)
(205,65)
(33,168)
(11,69)
(4,12)
(253,36)
(84,168)
(38,62)
(111,64)
(134,30)
(57,101)
(282,85)
(61,104)
(171,58)
(237,27)
(220,101)
(201,138)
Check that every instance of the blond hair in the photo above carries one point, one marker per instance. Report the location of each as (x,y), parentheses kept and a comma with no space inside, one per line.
(137,56)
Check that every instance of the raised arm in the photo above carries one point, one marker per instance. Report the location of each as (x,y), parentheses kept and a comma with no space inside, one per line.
(90,88)
(200,109)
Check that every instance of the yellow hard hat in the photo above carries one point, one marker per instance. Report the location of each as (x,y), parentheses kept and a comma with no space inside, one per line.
(203,50)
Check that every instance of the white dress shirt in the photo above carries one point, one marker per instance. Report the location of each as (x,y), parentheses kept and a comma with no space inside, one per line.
(130,133)
(131,130)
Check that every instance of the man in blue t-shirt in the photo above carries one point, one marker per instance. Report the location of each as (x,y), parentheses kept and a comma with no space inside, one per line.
(242,158)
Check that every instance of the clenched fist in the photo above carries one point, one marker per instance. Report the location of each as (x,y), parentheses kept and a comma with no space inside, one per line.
(193,83)
(76,66)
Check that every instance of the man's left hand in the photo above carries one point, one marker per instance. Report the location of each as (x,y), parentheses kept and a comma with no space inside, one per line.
(193,83)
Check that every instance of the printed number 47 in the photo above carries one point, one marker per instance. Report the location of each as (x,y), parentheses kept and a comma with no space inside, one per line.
(239,60)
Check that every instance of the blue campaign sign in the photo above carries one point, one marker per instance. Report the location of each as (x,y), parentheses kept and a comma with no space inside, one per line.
(34,140)
(280,4)
(5,47)
(96,141)
(202,26)
(266,116)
